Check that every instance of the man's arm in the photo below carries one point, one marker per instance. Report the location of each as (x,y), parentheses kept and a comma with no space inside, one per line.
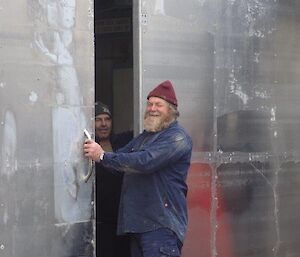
(150,158)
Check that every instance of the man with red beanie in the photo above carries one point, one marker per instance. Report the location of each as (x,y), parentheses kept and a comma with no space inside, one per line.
(153,207)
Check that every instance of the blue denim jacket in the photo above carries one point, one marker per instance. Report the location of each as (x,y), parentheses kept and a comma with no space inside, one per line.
(154,189)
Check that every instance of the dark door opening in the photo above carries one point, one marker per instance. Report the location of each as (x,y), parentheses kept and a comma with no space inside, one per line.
(114,88)
(114,59)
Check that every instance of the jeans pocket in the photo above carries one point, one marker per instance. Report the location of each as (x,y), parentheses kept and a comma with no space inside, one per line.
(168,251)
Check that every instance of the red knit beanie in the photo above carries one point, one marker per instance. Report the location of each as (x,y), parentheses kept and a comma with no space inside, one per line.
(165,91)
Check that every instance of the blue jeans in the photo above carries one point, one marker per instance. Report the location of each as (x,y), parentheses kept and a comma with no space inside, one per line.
(158,243)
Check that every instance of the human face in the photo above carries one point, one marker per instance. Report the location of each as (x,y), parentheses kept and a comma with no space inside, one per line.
(157,106)
(103,126)
(157,114)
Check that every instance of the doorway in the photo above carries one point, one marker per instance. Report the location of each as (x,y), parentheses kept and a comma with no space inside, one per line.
(114,88)
(114,60)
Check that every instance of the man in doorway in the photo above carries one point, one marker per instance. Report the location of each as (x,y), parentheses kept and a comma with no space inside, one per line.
(108,188)
(103,128)
(153,207)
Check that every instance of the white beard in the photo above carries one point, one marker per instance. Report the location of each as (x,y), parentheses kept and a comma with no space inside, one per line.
(156,123)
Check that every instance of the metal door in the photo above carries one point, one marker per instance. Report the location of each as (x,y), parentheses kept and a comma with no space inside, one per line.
(234,65)
(46,100)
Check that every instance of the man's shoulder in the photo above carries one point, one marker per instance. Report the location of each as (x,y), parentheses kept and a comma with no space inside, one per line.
(177,128)
(177,131)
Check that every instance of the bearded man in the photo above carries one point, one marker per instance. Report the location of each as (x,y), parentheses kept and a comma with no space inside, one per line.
(152,207)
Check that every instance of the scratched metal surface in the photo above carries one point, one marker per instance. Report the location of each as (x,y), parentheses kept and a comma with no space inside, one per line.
(46,100)
(234,65)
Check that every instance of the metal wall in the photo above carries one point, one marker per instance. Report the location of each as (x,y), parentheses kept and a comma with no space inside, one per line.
(46,100)
(235,68)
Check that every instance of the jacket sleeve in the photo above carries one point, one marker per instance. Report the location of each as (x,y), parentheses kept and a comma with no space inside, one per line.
(151,157)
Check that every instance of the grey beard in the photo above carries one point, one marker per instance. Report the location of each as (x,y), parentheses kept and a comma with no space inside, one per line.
(155,124)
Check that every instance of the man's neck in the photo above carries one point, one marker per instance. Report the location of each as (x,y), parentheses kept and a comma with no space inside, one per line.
(106,145)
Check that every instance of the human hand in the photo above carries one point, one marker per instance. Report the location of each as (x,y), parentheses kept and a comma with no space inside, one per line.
(92,150)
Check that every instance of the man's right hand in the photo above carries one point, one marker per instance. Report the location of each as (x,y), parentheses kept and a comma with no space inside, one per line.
(92,150)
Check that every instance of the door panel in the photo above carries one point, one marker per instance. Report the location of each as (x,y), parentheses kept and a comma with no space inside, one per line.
(46,100)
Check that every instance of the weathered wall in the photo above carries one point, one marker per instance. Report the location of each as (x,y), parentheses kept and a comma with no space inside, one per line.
(46,100)
(235,67)
(234,64)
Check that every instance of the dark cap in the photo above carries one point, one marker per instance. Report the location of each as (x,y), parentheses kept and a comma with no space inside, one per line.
(101,108)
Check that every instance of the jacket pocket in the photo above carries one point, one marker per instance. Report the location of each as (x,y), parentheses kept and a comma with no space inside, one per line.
(169,250)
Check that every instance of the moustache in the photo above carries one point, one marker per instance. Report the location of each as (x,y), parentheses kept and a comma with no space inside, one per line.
(154,114)
(102,129)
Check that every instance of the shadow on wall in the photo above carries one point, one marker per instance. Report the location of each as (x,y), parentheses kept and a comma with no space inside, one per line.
(244,131)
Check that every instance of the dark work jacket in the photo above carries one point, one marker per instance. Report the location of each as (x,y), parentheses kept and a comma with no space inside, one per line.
(109,184)
(155,167)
